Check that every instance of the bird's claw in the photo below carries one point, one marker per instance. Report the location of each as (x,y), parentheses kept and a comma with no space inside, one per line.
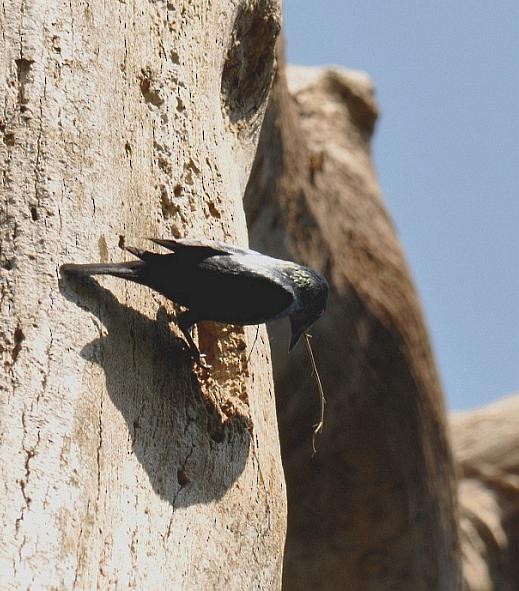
(171,317)
(199,359)
(202,363)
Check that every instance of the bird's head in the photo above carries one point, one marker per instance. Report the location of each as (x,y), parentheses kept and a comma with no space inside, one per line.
(311,296)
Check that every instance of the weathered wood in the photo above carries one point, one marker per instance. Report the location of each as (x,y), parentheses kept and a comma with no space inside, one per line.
(376,508)
(120,466)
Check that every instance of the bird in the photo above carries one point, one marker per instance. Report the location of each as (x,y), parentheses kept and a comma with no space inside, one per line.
(222,283)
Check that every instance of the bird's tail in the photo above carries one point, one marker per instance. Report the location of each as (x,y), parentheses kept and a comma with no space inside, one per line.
(130,270)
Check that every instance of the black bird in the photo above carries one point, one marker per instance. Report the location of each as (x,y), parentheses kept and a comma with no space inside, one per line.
(223,283)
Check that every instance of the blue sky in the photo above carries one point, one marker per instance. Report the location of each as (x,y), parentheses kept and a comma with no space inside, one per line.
(447,155)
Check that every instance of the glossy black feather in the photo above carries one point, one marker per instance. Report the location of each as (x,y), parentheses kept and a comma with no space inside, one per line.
(224,283)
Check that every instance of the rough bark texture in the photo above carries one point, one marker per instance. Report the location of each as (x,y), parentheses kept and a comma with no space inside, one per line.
(120,466)
(486,446)
(375,509)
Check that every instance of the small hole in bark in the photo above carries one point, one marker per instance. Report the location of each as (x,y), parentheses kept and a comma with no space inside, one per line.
(18,339)
(9,139)
(169,209)
(23,67)
(56,44)
(23,70)
(164,164)
(34,213)
(249,64)
(213,210)
(151,95)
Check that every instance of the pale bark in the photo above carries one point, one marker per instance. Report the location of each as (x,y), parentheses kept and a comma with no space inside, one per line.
(121,467)
(376,508)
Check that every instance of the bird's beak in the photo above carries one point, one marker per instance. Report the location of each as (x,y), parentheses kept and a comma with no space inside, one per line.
(294,340)
(298,326)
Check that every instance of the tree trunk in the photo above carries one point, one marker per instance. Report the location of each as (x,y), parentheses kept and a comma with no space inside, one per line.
(486,446)
(375,509)
(123,467)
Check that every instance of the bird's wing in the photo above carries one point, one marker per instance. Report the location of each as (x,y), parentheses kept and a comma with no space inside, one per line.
(230,259)
(253,265)
(252,288)
(204,248)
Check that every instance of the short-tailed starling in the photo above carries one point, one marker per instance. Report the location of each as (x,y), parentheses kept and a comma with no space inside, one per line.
(223,283)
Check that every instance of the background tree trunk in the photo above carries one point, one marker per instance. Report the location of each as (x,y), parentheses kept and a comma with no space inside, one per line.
(486,446)
(121,467)
(376,508)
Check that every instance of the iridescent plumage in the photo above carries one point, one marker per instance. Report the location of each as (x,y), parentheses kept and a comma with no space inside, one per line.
(223,283)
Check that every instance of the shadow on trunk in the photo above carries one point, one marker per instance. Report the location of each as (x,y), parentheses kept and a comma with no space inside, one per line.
(150,379)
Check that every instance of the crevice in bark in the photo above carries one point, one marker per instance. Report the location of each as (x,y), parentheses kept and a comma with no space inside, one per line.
(98,449)
(249,65)
(23,72)
(149,92)
(18,340)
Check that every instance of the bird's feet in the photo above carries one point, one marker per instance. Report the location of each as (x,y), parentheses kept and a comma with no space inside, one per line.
(185,321)
(199,359)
